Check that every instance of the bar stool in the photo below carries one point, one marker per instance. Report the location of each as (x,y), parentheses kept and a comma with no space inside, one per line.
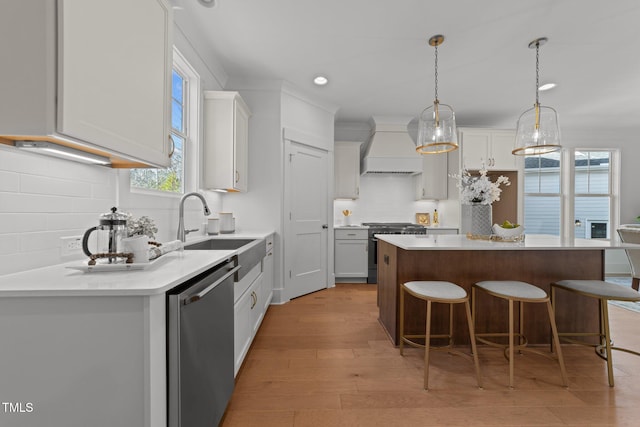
(604,292)
(439,292)
(521,292)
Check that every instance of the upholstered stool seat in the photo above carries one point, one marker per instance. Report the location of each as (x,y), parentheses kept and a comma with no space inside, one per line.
(604,292)
(521,292)
(438,292)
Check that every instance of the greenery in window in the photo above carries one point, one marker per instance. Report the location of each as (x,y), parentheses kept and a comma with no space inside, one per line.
(170,179)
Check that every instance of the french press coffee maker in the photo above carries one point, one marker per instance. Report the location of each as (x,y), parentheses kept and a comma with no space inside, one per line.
(111,230)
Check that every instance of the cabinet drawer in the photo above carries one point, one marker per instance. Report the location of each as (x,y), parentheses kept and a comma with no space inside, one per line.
(357,234)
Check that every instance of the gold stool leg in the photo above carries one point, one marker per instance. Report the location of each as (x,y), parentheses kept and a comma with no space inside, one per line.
(511,332)
(607,337)
(427,344)
(401,319)
(472,338)
(556,340)
(450,324)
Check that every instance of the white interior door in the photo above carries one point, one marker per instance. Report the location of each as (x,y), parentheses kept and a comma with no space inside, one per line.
(306,216)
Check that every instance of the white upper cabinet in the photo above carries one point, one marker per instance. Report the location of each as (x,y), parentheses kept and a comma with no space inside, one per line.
(95,75)
(226,141)
(489,147)
(347,170)
(431,184)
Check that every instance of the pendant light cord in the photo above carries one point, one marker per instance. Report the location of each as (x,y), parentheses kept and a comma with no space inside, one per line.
(436,73)
(537,71)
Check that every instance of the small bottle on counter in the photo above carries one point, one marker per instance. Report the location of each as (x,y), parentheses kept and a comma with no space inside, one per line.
(436,220)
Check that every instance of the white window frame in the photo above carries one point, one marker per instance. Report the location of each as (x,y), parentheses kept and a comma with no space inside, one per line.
(614,190)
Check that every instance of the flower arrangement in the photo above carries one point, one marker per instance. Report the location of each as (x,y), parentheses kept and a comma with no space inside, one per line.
(479,189)
(141,226)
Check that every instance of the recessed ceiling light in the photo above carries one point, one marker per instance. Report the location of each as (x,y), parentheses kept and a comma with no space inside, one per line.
(320,80)
(547,86)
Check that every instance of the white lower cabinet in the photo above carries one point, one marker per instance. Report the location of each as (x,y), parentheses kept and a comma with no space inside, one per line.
(253,296)
(351,253)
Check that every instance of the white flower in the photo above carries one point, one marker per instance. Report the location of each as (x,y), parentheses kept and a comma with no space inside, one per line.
(479,189)
(141,226)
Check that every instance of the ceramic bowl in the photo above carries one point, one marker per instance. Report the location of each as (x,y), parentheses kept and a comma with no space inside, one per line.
(507,232)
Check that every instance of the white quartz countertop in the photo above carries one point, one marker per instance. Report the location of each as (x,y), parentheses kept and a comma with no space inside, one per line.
(461,242)
(161,275)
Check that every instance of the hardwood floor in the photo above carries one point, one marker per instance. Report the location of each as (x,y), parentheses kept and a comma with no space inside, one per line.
(324,360)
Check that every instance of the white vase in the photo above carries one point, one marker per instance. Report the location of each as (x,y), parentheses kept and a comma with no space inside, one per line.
(476,218)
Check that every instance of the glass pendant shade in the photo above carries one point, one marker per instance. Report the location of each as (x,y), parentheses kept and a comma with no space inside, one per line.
(437,130)
(437,123)
(538,132)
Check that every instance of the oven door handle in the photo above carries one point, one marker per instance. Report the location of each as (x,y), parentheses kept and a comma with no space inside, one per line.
(197,297)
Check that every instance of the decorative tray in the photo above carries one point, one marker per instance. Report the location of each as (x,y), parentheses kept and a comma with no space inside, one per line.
(113,267)
(496,238)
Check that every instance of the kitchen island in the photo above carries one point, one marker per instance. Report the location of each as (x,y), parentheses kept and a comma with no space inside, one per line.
(539,260)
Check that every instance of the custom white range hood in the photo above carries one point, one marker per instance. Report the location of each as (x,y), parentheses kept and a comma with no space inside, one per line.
(391,150)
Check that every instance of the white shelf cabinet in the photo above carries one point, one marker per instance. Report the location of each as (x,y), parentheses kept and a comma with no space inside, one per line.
(431,184)
(226,141)
(351,253)
(347,170)
(82,87)
(490,148)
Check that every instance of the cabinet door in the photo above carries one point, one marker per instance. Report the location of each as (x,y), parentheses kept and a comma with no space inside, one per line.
(243,326)
(432,184)
(502,143)
(226,141)
(241,148)
(351,258)
(114,74)
(347,170)
(475,149)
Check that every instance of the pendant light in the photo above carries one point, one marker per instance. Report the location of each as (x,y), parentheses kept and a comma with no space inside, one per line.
(538,131)
(437,124)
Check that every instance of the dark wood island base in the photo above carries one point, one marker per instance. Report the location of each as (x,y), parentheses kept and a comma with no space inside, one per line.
(463,267)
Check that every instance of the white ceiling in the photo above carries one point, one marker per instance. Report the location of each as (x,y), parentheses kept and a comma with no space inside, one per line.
(377,58)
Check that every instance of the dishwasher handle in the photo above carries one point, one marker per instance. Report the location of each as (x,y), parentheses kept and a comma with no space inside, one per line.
(197,297)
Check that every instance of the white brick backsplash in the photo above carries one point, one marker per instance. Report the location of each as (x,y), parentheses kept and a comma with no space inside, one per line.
(52,186)
(29,203)
(8,244)
(22,222)
(43,198)
(71,222)
(9,181)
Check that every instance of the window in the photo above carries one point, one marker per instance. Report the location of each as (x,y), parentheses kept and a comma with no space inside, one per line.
(542,194)
(184,98)
(586,202)
(593,194)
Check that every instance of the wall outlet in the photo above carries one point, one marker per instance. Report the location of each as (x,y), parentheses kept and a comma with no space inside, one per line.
(71,245)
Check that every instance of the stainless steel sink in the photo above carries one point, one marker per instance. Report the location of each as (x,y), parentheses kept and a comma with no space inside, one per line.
(255,251)
(219,244)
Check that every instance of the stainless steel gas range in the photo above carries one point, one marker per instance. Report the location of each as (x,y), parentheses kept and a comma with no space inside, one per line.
(386,228)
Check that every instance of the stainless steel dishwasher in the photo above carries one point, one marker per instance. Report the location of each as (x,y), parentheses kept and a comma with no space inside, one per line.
(200,348)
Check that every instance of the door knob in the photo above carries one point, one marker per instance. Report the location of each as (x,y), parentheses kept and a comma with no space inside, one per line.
(325,226)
